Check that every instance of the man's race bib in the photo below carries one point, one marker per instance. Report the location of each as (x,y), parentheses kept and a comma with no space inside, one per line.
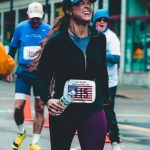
(29,51)
(85,90)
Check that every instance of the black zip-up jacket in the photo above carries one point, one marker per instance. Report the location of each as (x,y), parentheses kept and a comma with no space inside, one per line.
(63,59)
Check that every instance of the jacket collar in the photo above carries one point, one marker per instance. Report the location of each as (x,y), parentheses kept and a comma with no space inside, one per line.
(93,31)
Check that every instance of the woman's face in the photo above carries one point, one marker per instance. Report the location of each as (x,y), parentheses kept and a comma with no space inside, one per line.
(82,11)
(101,24)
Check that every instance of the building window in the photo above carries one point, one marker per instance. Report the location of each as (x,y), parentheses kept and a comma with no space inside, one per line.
(114,9)
(137,54)
(58,10)
(47,12)
(9,25)
(23,15)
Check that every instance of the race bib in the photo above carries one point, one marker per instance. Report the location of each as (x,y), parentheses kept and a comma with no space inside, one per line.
(85,90)
(29,51)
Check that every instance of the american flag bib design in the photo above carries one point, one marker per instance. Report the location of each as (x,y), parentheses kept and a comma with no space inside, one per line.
(84,89)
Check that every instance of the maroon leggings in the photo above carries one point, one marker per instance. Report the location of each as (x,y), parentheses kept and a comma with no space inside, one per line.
(91,131)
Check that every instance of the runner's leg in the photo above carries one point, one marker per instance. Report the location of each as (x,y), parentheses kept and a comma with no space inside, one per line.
(92,132)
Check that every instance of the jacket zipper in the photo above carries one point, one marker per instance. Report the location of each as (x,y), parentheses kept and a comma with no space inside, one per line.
(85,62)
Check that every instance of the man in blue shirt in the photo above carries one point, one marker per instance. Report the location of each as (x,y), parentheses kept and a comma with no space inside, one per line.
(27,39)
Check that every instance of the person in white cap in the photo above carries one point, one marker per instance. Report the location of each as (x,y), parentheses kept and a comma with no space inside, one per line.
(27,38)
(101,20)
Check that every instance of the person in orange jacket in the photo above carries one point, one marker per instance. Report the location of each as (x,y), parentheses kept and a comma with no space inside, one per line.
(7,63)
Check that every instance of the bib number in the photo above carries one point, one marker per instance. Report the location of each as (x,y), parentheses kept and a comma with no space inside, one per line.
(84,89)
(29,51)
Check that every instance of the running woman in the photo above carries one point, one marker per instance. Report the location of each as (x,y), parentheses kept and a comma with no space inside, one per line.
(75,57)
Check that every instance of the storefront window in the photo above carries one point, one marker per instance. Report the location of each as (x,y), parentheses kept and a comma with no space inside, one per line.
(114,9)
(115,25)
(23,14)
(9,24)
(147,41)
(47,12)
(58,10)
(137,53)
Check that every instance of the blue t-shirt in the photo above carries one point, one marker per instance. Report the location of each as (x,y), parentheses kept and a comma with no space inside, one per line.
(28,40)
(82,43)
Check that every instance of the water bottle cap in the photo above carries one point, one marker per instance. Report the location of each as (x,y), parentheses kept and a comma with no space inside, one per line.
(73,92)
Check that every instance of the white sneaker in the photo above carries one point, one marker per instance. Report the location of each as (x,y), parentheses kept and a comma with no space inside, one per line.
(116,146)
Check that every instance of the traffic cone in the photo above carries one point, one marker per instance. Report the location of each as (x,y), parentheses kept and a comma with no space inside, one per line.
(27,110)
(46,125)
(107,140)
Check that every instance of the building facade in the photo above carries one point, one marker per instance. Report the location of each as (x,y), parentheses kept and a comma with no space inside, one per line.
(130,19)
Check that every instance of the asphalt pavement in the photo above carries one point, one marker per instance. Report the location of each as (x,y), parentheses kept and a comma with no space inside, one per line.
(133,92)
(132,110)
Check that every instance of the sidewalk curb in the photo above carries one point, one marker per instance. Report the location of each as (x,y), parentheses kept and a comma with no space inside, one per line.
(122,96)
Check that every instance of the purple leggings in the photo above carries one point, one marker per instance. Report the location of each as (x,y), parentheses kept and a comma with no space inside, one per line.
(91,131)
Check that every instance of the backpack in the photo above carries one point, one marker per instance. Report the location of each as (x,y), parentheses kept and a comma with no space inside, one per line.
(7,63)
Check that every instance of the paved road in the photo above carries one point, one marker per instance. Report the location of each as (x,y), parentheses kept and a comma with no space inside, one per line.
(133,117)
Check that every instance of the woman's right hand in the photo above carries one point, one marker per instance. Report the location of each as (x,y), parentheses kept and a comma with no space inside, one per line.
(55,107)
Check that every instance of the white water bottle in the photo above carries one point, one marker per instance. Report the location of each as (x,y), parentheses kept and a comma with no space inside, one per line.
(67,99)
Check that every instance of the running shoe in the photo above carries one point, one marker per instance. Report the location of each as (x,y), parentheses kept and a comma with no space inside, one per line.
(18,141)
(35,147)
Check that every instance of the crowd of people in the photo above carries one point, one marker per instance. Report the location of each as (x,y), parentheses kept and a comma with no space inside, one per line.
(72,56)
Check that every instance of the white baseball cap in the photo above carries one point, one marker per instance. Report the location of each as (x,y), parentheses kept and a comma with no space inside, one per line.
(35,9)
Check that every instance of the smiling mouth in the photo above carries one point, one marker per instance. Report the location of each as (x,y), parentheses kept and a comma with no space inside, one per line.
(86,12)
(101,25)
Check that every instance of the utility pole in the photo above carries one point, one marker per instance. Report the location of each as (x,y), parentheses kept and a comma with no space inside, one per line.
(11,5)
(122,38)
(105,4)
(46,11)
